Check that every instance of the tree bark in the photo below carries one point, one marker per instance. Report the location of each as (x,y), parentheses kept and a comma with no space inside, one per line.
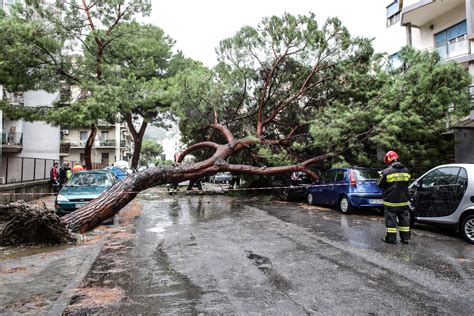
(88,147)
(137,140)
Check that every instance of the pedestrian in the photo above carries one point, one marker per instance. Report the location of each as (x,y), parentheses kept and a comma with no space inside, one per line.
(63,173)
(394,182)
(195,182)
(54,178)
(77,167)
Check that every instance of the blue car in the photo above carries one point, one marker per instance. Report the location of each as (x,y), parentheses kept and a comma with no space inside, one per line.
(347,188)
(119,173)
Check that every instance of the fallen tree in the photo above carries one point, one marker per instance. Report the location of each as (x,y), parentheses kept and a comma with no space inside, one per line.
(270,82)
(28,223)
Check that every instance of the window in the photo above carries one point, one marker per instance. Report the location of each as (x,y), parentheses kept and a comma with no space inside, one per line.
(462,178)
(367,174)
(329,176)
(393,13)
(105,135)
(394,60)
(340,175)
(105,158)
(452,33)
(83,135)
(452,41)
(82,157)
(441,176)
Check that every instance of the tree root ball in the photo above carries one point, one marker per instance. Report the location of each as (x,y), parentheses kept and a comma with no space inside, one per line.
(25,223)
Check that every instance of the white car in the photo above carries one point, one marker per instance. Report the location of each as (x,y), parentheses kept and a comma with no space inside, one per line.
(445,195)
(221,177)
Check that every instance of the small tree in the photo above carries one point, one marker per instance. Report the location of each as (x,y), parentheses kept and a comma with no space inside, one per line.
(150,151)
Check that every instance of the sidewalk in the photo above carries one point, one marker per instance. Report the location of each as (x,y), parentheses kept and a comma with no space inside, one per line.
(42,280)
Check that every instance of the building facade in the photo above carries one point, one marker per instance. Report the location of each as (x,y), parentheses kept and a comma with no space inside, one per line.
(112,143)
(443,26)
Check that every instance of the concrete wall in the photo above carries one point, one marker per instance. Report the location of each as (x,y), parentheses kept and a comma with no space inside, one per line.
(464,145)
(24,191)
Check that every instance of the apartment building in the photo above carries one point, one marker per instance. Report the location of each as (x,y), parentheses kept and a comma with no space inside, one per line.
(28,149)
(112,143)
(445,26)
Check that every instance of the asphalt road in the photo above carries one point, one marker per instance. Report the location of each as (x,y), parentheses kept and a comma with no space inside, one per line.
(221,254)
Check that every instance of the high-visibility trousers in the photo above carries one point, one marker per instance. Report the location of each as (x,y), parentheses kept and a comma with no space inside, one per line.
(402,214)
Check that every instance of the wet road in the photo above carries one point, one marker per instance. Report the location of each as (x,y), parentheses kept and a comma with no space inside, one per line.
(220,254)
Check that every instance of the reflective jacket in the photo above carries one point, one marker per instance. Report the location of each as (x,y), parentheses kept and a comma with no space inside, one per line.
(394,181)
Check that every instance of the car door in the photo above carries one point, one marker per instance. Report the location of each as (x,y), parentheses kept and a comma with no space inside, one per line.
(337,187)
(321,191)
(438,193)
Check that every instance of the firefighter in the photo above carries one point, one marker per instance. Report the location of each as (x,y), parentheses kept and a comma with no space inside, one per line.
(394,182)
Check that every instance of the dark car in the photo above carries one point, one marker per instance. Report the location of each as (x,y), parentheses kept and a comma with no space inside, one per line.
(83,187)
(347,188)
(292,186)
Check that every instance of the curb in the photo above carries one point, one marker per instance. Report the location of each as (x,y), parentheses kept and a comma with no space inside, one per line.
(63,300)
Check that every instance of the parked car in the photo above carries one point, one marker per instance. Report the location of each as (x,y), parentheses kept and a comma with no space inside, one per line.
(119,173)
(83,187)
(221,177)
(347,188)
(445,195)
(292,186)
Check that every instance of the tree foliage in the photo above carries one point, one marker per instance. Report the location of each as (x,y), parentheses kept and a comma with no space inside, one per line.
(271,81)
(150,151)
(408,111)
(62,45)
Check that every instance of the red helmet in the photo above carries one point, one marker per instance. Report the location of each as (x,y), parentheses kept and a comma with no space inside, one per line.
(390,156)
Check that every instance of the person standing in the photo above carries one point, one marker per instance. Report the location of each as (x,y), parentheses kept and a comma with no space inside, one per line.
(77,167)
(394,181)
(54,177)
(63,173)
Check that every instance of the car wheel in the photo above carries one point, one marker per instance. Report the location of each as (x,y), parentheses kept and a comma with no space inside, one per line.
(467,228)
(345,205)
(285,195)
(310,199)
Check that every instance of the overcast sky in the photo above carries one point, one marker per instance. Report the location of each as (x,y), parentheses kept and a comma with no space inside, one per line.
(198,26)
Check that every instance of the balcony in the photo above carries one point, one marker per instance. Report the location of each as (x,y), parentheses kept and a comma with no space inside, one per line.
(425,11)
(64,148)
(12,142)
(454,49)
(105,143)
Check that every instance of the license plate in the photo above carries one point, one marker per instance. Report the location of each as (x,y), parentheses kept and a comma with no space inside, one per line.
(78,205)
(376,201)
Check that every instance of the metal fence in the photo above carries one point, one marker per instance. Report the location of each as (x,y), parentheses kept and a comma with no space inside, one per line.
(22,169)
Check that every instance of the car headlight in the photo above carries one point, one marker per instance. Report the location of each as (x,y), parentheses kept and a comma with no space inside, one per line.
(62,198)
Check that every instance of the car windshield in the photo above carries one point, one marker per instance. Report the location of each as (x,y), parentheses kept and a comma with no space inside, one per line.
(89,179)
(366,174)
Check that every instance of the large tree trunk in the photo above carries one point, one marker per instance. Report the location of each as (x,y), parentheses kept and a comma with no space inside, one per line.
(137,140)
(88,147)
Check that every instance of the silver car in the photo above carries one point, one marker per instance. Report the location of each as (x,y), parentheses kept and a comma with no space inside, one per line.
(221,177)
(445,195)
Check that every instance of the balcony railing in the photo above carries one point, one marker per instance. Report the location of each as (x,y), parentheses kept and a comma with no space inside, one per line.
(12,139)
(454,49)
(64,148)
(97,143)
(106,143)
